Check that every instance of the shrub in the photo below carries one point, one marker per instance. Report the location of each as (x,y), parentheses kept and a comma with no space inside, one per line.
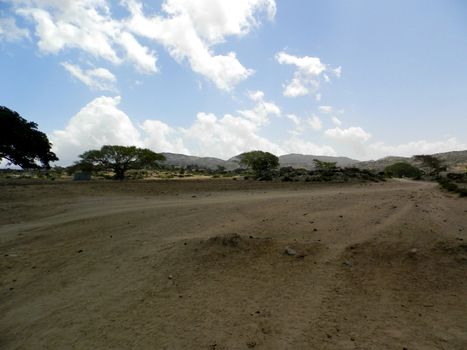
(402,170)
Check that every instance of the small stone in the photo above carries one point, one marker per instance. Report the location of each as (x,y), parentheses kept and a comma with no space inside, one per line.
(170,277)
(290,251)
(413,251)
(347,263)
(80,251)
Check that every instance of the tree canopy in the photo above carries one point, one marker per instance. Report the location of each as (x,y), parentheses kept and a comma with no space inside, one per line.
(322,165)
(402,169)
(260,162)
(119,159)
(430,162)
(21,143)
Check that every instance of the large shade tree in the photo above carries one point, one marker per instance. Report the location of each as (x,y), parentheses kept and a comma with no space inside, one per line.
(21,143)
(262,163)
(119,159)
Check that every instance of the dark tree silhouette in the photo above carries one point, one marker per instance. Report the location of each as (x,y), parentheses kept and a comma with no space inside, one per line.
(21,143)
(119,159)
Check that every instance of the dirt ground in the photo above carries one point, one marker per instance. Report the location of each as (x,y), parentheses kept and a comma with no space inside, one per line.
(202,265)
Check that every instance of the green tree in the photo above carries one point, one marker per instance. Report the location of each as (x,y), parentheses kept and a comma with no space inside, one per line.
(430,162)
(119,159)
(21,143)
(402,169)
(262,163)
(321,165)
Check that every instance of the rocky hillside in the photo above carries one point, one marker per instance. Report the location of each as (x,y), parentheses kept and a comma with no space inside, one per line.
(454,161)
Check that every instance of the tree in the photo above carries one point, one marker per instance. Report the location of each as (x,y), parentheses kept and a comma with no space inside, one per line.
(119,159)
(262,163)
(430,162)
(21,143)
(321,165)
(402,169)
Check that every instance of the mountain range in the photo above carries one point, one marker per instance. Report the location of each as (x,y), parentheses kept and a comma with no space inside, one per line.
(455,160)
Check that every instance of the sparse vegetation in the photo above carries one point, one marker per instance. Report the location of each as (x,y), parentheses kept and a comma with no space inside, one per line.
(320,165)
(433,164)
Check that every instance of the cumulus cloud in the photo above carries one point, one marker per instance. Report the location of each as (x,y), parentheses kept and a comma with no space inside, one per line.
(190,29)
(98,123)
(307,76)
(101,122)
(162,138)
(262,110)
(10,32)
(354,134)
(97,78)
(227,136)
(86,25)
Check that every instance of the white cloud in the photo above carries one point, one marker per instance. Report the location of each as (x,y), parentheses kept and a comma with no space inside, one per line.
(380,149)
(336,121)
(144,59)
(97,79)
(307,77)
(261,112)
(98,123)
(101,122)
(10,32)
(315,122)
(225,137)
(350,135)
(190,29)
(326,109)
(160,137)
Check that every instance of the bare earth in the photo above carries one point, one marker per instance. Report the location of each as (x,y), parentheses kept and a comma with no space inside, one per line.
(201,265)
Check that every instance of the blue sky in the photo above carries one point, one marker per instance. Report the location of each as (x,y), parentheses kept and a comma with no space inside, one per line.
(363,79)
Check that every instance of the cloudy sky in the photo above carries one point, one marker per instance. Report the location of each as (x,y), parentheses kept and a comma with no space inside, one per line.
(361,78)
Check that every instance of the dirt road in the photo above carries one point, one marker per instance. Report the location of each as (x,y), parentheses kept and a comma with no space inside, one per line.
(201,265)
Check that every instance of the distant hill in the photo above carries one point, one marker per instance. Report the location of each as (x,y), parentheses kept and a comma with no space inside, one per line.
(306,161)
(182,160)
(454,161)
(293,160)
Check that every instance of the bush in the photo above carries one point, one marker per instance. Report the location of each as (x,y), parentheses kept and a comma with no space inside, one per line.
(403,170)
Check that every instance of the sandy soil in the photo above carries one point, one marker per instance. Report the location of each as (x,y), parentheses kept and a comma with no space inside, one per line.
(201,265)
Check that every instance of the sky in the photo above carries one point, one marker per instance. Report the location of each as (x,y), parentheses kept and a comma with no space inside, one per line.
(363,79)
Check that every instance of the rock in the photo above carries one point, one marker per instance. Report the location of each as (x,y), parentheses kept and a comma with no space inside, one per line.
(413,251)
(170,277)
(347,263)
(290,251)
